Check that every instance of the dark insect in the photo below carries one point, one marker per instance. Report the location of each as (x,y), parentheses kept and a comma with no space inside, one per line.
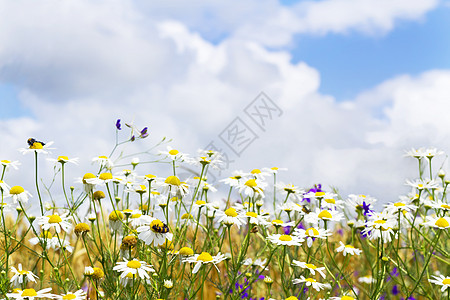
(31,142)
(305,209)
(254,230)
(160,229)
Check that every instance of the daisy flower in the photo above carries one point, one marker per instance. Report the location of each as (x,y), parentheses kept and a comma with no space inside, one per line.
(440,223)
(230,216)
(311,267)
(135,267)
(312,282)
(441,280)
(44,238)
(203,259)
(57,243)
(6,164)
(207,157)
(311,234)
(172,153)
(285,240)
(78,295)
(344,297)
(404,205)
(30,294)
(37,147)
(234,180)
(348,249)
(55,221)
(168,284)
(256,263)
(360,201)
(4,188)
(256,219)
(438,205)
(252,187)
(19,194)
(274,170)
(64,159)
(103,161)
(366,279)
(156,232)
(20,276)
(421,184)
(258,174)
(277,223)
(175,186)
(324,215)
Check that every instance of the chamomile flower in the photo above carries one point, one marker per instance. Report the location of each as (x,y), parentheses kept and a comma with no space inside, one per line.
(57,243)
(258,174)
(213,159)
(31,294)
(168,284)
(441,280)
(64,159)
(103,161)
(360,201)
(154,233)
(312,282)
(7,164)
(203,259)
(138,219)
(172,153)
(37,147)
(285,240)
(343,297)
(274,170)
(235,179)
(325,215)
(438,205)
(55,221)
(279,223)
(78,295)
(44,239)
(366,279)
(439,223)
(19,194)
(252,187)
(4,188)
(348,249)
(395,207)
(421,184)
(175,186)
(256,263)
(231,217)
(311,267)
(256,219)
(20,276)
(135,267)
(311,234)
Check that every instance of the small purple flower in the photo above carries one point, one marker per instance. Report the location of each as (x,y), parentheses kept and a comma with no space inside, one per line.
(301,226)
(395,290)
(315,189)
(144,133)
(287,229)
(118,126)
(366,208)
(341,232)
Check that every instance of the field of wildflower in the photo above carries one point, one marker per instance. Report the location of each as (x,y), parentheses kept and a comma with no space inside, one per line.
(122,232)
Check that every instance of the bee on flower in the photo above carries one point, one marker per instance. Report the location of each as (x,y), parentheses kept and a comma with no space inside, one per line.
(36,147)
(155,232)
(203,259)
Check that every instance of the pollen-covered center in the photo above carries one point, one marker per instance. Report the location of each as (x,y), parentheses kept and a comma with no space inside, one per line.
(349,246)
(446,281)
(310,280)
(15,190)
(186,251)
(4,161)
(134,264)
(251,183)
(187,216)
(443,223)
(325,214)
(312,232)
(54,219)
(380,221)
(69,296)
(399,204)
(205,256)
(29,293)
(285,238)
(173,152)
(173,180)
(311,266)
(231,212)
(446,206)
(103,157)
(88,176)
(105,176)
(136,216)
(251,214)
(277,222)
(62,158)
(23,272)
(36,145)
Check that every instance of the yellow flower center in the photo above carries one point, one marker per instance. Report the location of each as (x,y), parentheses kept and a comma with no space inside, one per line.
(256,171)
(54,219)
(173,180)
(380,221)
(36,145)
(81,227)
(331,200)
(88,176)
(45,234)
(285,238)
(115,215)
(231,212)
(134,264)
(349,246)
(62,158)
(205,256)
(277,222)
(274,168)
(347,298)
(105,176)
(69,296)
(135,216)
(311,266)
(251,183)
(292,298)
(150,176)
(4,161)
(320,194)
(16,190)
(399,204)
(445,206)
(98,273)
(103,157)
(186,251)
(29,292)
(200,202)
(443,223)
(446,281)
(312,232)
(310,280)
(23,272)
(173,152)
(251,214)
(325,214)
(187,216)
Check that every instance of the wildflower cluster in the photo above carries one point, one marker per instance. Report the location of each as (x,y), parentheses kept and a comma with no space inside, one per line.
(127,233)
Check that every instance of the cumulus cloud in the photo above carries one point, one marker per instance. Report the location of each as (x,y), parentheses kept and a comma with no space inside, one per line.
(81,65)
